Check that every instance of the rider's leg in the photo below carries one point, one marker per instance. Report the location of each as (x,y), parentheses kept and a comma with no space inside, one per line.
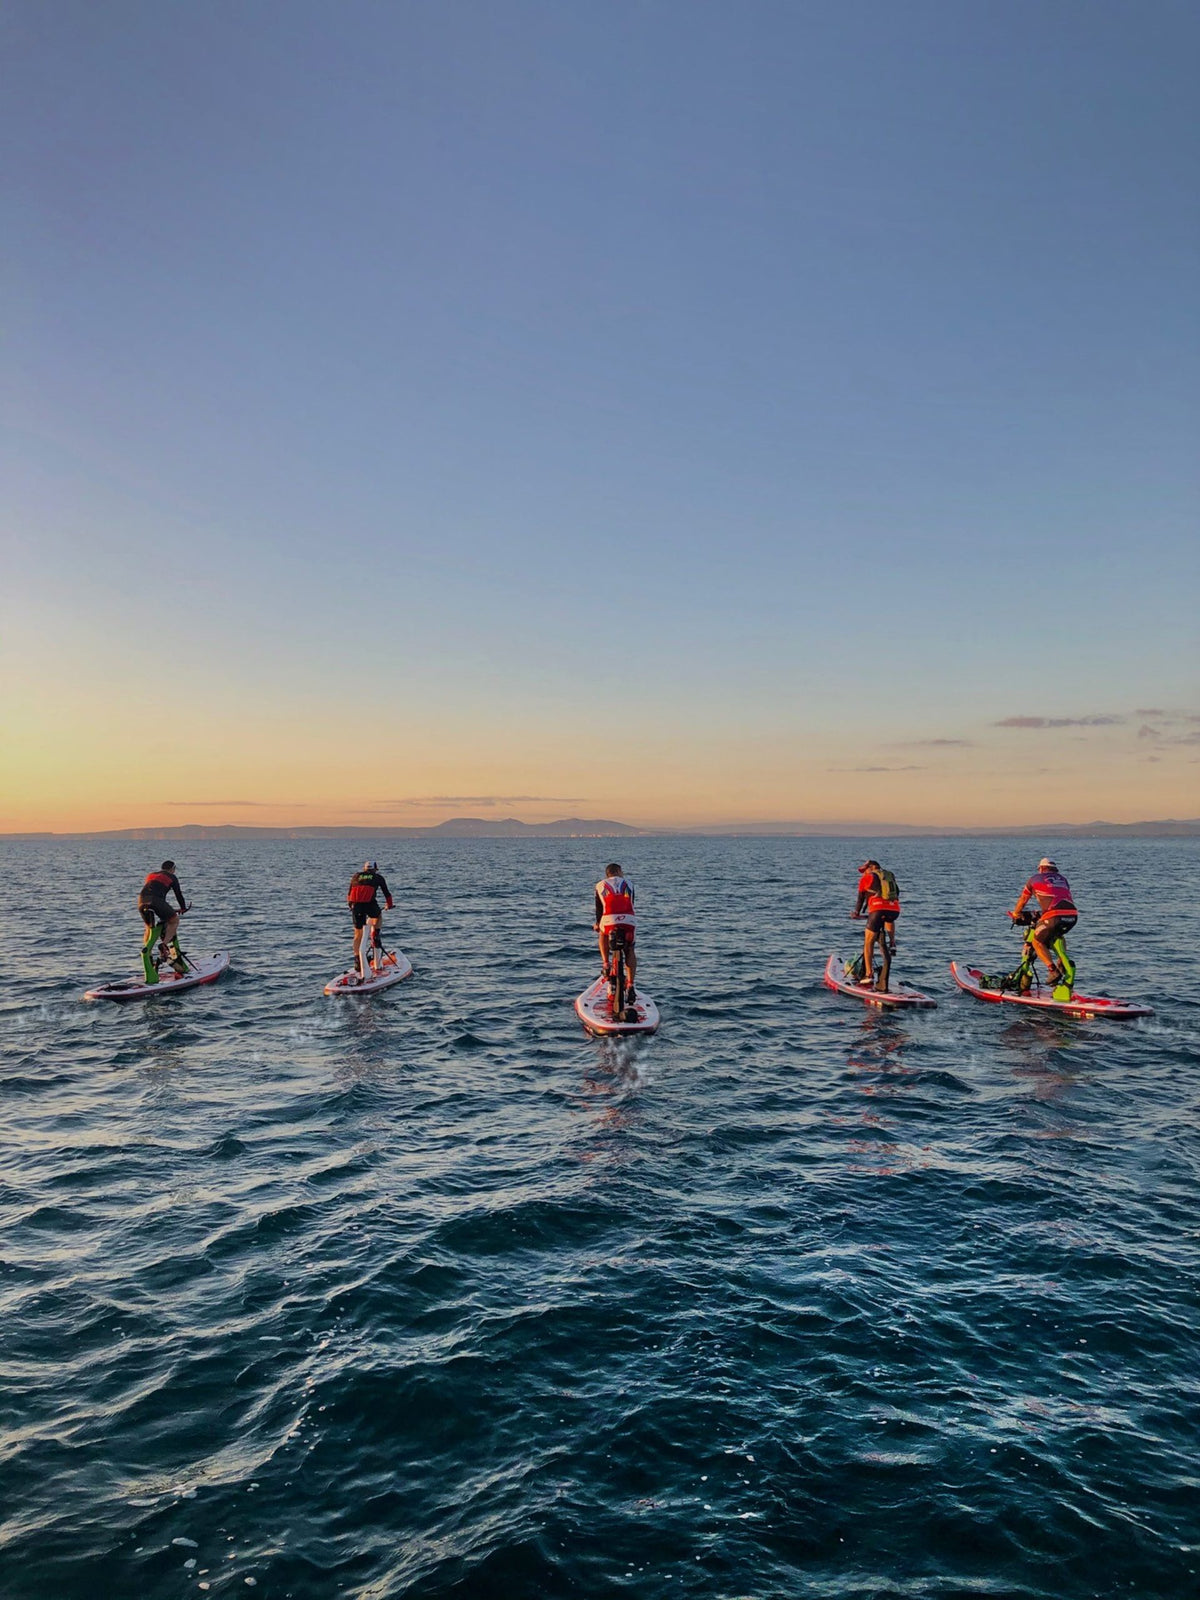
(170,939)
(358,960)
(604,951)
(1043,954)
(376,949)
(886,940)
(868,954)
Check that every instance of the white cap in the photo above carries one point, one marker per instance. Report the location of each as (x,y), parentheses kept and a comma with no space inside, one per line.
(1046,865)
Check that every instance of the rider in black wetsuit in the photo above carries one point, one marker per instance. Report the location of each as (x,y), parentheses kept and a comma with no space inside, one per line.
(363,900)
(156,913)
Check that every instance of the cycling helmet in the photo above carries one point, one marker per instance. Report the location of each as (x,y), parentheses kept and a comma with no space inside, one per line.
(370,866)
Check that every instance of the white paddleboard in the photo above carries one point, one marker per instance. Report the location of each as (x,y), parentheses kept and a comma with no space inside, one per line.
(397,968)
(201,969)
(970,980)
(835,978)
(594,1010)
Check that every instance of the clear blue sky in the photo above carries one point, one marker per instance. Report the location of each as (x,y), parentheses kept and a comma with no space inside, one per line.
(807,379)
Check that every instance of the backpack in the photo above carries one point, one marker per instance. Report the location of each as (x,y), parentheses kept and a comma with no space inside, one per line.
(889,889)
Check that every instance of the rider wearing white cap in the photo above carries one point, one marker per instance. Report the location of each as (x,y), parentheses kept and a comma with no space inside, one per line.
(1057,913)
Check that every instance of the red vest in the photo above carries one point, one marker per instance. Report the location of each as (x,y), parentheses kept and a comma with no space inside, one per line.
(876,901)
(616,900)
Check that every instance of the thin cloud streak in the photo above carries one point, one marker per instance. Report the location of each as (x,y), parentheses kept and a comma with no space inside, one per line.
(239,804)
(1060,722)
(481,800)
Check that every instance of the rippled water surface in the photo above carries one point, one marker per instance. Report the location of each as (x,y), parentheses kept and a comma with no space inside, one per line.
(429,1294)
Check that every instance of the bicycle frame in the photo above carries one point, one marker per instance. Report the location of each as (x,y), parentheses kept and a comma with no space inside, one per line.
(156,951)
(1027,975)
(373,956)
(618,982)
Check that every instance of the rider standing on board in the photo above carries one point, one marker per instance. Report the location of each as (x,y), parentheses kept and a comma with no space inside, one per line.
(614,909)
(879,897)
(1057,913)
(363,900)
(156,912)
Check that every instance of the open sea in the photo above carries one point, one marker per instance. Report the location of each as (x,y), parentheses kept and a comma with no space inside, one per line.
(428,1294)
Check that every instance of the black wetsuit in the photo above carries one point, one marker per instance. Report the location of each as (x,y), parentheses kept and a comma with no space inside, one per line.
(363,897)
(152,900)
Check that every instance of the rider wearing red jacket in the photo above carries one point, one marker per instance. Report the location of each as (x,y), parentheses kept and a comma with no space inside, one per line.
(879,896)
(1057,912)
(615,920)
(362,898)
(156,911)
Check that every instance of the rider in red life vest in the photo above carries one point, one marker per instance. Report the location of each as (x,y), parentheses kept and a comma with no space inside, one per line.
(614,910)
(363,901)
(882,908)
(1057,912)
(157,912)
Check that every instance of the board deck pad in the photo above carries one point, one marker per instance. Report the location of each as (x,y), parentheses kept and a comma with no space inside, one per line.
(969,980)
(201,970)
(594,1010)
(395,972)
(835,978)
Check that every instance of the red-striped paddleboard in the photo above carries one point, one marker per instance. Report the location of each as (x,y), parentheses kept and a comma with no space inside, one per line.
(969,980)
(835,978)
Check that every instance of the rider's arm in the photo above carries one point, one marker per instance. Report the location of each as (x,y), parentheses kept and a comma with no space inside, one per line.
(1023,900)
(175,888)
(599,910)
(865,886)
(381,883)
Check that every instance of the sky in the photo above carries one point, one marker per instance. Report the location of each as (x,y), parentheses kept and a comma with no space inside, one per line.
(676,412)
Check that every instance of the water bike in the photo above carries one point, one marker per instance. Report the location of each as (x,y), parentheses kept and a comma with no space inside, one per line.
(1024,986)
(848,977)
(606,1007)
(378,969)
(165,970)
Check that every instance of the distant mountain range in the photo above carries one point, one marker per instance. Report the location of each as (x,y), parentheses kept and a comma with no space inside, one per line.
(456,827)
(601,828)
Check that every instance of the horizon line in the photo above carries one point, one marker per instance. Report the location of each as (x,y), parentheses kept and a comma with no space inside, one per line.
(588,827)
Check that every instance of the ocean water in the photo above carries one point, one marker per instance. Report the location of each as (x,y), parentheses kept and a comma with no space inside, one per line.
(429,1294)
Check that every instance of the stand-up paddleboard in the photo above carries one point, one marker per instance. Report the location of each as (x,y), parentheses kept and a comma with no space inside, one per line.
(971,981)
(201,969)
(396,969)
(594,1010)
(835,978)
